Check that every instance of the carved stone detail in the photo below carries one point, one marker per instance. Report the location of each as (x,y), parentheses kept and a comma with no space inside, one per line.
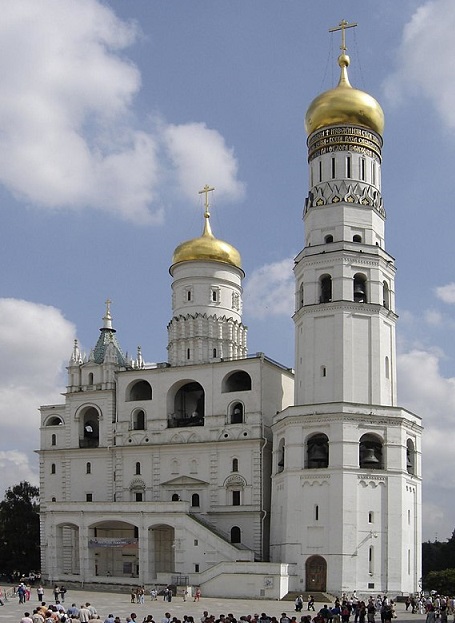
(333,192)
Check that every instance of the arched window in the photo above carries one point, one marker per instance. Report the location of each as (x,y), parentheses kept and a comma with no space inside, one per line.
(88,468)
(138,468)
(235,465)
(280,463)
(90,428)
(237,413)
(141,390)
(175,497)
(385,295)
(90,378)
(301,297)
(356,238)
(54,421)
(53,468)
(328,239)
(139,420)
(371,560)
(317,451)
(325,289)
(360,288)
(188,408)
(410,457)
(236,535)
(239,381)
(371,454)
(195,500)
(387,368)
(54,440)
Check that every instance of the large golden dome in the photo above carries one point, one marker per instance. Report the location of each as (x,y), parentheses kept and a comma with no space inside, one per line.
(344,105)
(207,248)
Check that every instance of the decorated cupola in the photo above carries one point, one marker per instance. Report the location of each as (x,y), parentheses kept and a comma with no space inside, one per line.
(344,276)
(97,371)
(206,300)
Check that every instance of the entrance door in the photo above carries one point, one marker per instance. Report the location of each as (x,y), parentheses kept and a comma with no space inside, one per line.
(316,574)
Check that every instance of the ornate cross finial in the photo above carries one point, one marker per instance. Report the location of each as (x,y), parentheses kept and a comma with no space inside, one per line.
(108,307)
(342,26)
(206,190)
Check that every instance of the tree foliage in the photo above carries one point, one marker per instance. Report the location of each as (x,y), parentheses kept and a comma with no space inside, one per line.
(19,529)
(438,556)
(443,582)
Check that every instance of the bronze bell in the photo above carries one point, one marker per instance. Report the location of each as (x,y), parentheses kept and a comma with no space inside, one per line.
(370,457)
(359,292)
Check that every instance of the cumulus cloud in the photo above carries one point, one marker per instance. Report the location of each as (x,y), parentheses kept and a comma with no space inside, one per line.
(269,290)
(35,341)
(446,293)
(68,134)
(433,317)
(200,155)
(422,66)
(425,391)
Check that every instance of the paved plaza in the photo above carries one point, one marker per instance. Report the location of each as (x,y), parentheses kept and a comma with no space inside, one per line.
(119,604)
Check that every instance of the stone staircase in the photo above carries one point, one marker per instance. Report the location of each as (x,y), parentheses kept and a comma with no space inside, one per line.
(319,598)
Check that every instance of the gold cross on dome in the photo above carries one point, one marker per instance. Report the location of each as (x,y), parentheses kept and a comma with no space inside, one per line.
(206,190)
(342,26)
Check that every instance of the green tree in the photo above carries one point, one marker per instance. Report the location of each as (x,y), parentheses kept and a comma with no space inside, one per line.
(19,529)
(443,582)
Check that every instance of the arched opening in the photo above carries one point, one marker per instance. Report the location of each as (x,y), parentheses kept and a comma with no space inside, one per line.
(90,378)
(53,468)
(55,420)
(356,238)
(235,465)
(301,297)
(280,456)
(113,549)
(189,406)
(54,440)
(385,295)
(325,289)
(140,390)
(239,381)
(360,288)
(317,455)
(138,468)
(162,547)
(410,457)
(67,549)
(328,239)
(236,534)
(236,413)
(88,468)
(315,574)
(371,455)
(175,497)
(89,437)
(139,420)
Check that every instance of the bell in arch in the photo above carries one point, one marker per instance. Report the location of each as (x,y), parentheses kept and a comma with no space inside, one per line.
(317,455)
(359,292)
(369,457)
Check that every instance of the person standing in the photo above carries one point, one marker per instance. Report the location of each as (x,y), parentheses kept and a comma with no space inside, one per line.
(40,593)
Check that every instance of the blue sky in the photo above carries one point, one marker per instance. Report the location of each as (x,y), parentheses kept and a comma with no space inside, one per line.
(114,114)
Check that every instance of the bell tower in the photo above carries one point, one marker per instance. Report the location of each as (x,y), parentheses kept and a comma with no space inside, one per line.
(347,459)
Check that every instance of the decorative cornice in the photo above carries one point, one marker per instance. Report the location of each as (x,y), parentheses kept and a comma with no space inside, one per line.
(359,193)
(344,138)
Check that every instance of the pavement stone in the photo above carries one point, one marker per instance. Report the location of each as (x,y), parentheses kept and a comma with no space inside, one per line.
(119,604)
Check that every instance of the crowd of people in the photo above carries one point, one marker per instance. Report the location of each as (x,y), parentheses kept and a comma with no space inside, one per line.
(378,609)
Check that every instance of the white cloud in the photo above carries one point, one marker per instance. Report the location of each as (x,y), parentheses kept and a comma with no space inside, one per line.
(424,390)
(200,156)
(35,342)
(446,293)
(68,136)
(423,66)
(433,317)
(269,291)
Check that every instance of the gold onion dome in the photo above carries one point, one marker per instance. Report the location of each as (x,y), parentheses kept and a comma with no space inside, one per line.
(344,105)
(207,248)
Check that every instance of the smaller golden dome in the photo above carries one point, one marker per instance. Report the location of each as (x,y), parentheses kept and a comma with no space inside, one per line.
(344,105)
(207,248)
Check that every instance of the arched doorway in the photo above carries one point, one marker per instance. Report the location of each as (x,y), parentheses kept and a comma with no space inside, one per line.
(316,574)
